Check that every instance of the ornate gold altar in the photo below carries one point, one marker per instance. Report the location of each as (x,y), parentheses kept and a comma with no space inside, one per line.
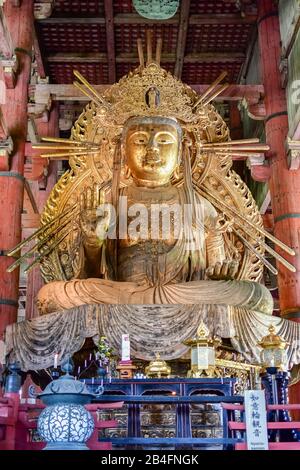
(149,141)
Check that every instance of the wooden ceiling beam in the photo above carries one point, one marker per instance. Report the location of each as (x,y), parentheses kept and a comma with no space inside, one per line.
(182,35)
(80,57)
(130,18)
(67,20)
(133,18)
(94,57)
(214,57)
(222,19)
(251,93)
(110,40)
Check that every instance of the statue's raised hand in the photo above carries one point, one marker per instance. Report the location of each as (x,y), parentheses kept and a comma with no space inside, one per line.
(224,270)
(89,219)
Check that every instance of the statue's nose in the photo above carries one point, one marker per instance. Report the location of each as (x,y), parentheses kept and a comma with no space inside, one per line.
(152,146)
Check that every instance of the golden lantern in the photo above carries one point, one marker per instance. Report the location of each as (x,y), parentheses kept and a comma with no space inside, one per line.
(273,355)
(202,352)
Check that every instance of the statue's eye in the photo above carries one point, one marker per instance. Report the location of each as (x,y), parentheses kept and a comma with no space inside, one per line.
(140,141)
(164,139)
(167,140)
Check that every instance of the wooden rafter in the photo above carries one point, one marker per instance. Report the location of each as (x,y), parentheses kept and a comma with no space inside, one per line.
(38,55)
(33,203)
(69,57)
(221,19)
(182,35)
(133,18)
(94,57)
(248,57)
(110,40)
(54,20)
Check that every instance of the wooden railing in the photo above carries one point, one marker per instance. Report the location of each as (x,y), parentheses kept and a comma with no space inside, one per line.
(18,424)
(185,438)
(238,428)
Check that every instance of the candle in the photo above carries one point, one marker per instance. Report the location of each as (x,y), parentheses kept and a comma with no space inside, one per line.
(90,358)
(93,380)
(125,348)
(78,370)
(55,360)
(85,363)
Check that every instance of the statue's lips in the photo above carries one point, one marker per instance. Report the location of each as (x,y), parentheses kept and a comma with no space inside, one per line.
(152,161)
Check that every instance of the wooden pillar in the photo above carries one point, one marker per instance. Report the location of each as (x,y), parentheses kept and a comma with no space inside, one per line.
(19,21)
(236,133)
(34,278)
(284,184)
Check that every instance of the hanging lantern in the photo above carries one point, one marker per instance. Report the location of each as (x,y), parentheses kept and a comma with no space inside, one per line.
(273,355)
(156,9)
(202,351)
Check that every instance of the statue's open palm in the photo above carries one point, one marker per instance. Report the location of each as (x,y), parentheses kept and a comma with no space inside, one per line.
(90,222)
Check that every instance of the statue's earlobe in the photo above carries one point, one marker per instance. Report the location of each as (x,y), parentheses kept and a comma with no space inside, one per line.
(176,172)
(127,172)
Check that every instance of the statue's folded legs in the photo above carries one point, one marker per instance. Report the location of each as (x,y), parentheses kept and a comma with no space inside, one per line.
(64,295)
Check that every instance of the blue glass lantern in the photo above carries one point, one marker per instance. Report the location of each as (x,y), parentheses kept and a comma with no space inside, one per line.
(65,424)
(65,427)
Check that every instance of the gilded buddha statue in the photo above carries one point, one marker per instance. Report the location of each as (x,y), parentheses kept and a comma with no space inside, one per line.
(140,266)
(121,260)
(151,229)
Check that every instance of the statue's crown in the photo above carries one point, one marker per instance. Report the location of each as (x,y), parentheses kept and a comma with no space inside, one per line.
(150,90)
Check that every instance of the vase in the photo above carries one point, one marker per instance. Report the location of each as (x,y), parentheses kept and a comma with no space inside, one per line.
(102,372)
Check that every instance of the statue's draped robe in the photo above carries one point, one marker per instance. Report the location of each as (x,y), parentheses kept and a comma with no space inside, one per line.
(160,328)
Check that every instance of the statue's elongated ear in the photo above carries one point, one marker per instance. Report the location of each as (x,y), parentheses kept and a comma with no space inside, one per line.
(176,173)
(127,172)
(123,153)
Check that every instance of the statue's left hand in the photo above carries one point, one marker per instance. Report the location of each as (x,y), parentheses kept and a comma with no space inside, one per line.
(225,270)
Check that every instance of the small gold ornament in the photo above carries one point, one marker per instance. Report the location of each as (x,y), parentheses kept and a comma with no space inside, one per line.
(158,368)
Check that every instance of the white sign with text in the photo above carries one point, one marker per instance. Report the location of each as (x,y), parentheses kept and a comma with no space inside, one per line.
(256,420)
(125,348)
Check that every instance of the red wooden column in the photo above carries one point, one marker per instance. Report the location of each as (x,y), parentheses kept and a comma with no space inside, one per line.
(34,277)
(20,22)
(284,184)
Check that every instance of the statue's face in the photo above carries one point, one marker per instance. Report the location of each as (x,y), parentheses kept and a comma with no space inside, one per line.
(152,151)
